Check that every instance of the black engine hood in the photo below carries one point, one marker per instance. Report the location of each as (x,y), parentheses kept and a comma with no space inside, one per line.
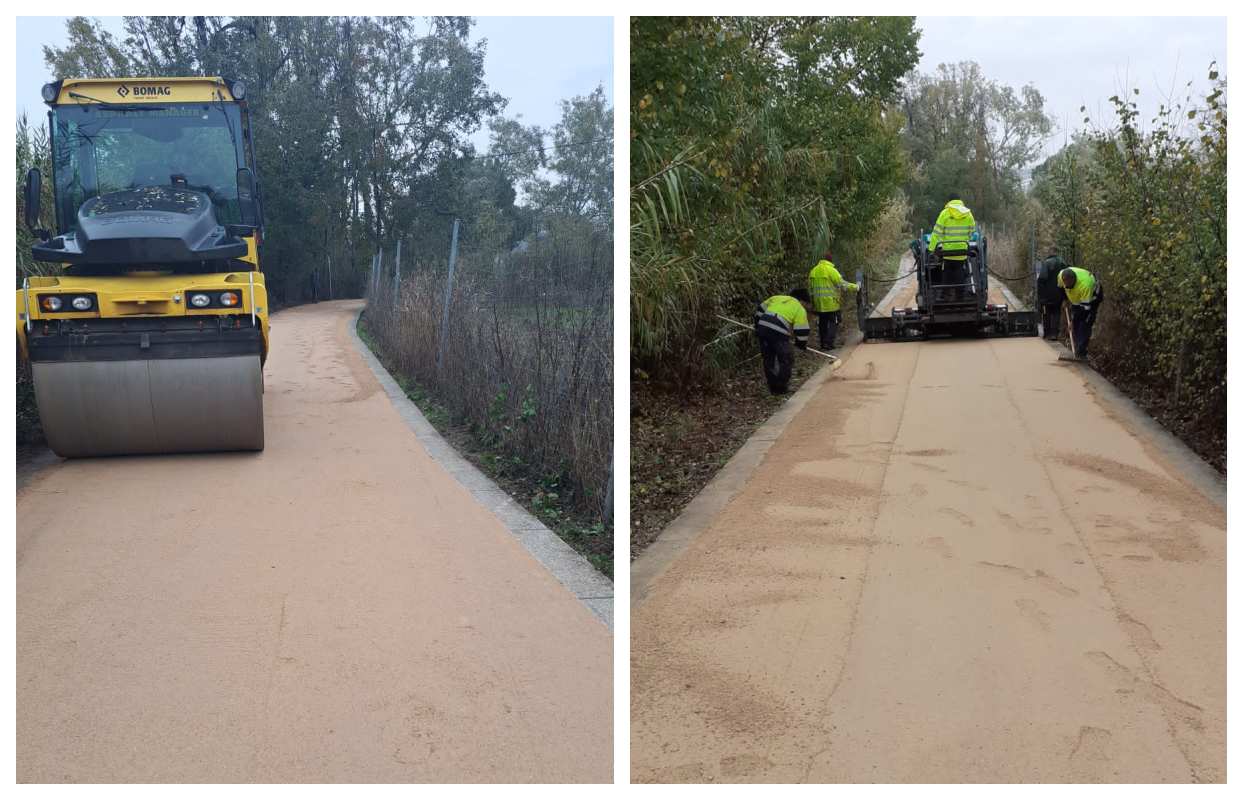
(149,225)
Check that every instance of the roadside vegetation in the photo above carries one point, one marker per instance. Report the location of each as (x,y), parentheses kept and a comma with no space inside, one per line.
(755,143)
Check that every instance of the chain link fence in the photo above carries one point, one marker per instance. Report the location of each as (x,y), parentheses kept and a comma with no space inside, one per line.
(515,340)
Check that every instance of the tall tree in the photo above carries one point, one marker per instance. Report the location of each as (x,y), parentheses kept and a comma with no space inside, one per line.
(582,161)
(969,134)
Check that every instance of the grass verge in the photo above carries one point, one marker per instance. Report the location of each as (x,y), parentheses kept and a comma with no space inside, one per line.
(538,494)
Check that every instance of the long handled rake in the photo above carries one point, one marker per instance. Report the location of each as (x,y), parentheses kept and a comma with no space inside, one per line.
(829,356)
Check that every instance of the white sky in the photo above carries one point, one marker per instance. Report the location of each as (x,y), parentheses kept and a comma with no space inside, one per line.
(534,61)
(1081,61)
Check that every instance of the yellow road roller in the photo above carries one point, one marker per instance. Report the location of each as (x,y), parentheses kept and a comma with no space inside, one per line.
(149,329)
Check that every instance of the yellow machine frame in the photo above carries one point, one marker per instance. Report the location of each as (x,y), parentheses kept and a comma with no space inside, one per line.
(145,294)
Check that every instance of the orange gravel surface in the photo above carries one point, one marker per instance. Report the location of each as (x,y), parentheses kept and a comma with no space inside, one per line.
(336,608)
(957,563)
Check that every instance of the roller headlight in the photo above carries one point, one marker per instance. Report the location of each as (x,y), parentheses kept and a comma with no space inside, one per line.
(81,303)
(200,300)
(239,90)
(228,299)
(52,303)
(49,92)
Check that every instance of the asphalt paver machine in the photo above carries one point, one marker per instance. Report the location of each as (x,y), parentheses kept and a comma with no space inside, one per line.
(950,300)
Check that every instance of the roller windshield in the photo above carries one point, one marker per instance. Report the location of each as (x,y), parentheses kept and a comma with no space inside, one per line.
(100,149)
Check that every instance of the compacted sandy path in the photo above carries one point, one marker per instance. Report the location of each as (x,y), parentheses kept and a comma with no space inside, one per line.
(957,563)
(336,608)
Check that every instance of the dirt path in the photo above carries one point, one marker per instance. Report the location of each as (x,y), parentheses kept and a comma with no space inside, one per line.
(956,564)
(336,608)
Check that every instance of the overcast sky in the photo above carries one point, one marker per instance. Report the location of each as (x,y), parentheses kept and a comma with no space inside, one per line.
(1081,61)
(534,61)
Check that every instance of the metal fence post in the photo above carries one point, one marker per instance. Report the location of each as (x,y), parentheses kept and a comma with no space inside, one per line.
(379,272)
(397,273)
(1035,268)
(444,315)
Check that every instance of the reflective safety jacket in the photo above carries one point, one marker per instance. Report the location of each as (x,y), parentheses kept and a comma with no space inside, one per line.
(825,284)
(783,314)
(1085,289)
(955,227)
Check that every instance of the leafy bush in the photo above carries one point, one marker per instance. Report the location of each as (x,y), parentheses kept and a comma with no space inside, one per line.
(755,142)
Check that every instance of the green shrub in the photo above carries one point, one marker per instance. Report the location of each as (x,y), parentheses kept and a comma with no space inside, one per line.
(1145,210)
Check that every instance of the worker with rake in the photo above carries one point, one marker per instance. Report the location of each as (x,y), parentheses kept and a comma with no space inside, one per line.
(780,325)
(1084,293)
(826,286)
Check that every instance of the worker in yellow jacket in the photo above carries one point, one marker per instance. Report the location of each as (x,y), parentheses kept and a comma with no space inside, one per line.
(827,287)
(1085,295)
(780,321)
(951,236)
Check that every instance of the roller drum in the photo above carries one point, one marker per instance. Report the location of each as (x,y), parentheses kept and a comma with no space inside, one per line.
(172,405)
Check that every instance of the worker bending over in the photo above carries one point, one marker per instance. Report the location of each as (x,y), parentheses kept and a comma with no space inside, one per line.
(1084,293)
(1048,294)
(950,237)
(826,286)
(780,323)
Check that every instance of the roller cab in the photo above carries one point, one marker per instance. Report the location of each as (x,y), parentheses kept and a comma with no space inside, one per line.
(148,330)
